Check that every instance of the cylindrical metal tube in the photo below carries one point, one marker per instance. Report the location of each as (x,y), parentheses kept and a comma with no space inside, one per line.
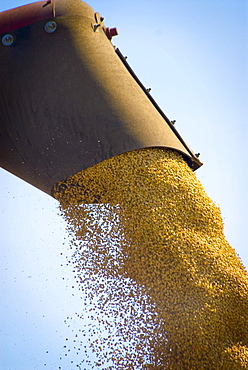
(68,101)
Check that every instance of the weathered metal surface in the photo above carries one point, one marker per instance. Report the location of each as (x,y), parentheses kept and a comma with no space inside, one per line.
(67,99)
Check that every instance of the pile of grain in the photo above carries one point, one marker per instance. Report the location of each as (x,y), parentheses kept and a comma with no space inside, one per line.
(163,288)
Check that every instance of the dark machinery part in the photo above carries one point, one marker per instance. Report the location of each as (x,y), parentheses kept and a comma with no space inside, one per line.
(69,99)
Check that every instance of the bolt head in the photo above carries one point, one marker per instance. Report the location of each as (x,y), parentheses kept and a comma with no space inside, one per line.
(50,27)
(7,39)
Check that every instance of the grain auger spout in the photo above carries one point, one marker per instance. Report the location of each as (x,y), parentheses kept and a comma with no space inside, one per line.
(69,100)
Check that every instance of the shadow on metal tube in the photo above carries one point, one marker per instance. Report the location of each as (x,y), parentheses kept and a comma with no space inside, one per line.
(69,99)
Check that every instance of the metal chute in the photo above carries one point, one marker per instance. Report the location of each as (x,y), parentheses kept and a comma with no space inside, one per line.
(68,97)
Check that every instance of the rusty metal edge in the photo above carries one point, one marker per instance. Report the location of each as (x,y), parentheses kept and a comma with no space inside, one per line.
(25,15)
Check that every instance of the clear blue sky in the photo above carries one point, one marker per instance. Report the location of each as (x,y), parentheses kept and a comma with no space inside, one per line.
(194,57)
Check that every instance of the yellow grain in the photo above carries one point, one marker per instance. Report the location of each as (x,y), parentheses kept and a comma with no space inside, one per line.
(150,253)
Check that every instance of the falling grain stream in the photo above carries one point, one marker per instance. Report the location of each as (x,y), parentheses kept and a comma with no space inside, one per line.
(164,287)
